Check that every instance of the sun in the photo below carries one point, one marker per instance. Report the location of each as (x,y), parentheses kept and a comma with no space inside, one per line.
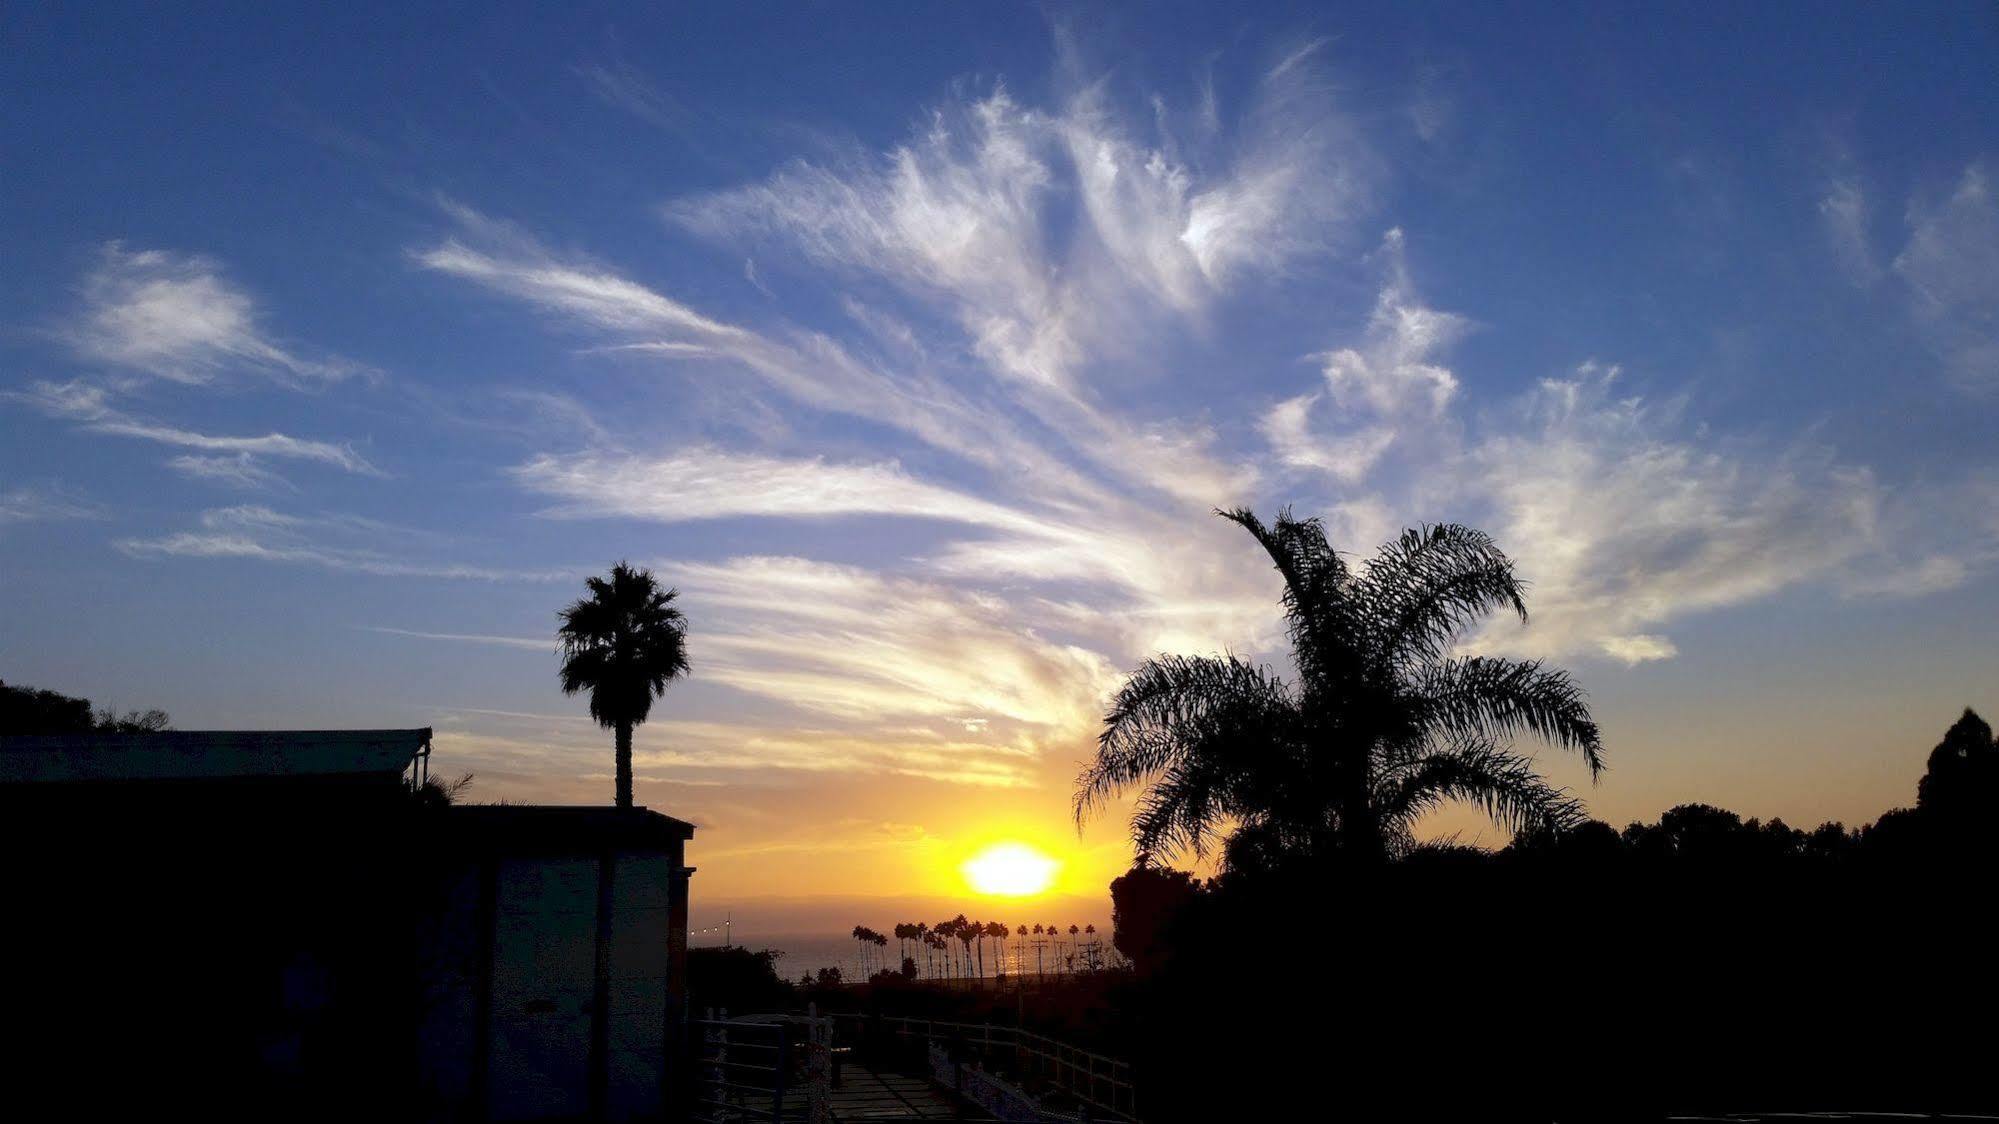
(1010,870)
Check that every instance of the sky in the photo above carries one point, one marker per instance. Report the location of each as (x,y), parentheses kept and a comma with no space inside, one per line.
(916,344)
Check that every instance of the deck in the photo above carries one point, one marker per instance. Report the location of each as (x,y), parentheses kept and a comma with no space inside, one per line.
(866,1095)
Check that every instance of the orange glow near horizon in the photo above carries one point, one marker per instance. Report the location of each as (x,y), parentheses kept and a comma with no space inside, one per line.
(1010,870)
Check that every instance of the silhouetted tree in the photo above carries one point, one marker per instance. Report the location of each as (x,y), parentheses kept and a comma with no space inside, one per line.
(28,711)
(1383,725)
(966,931)
(946,930)
(1962,777)
(734,978)
(624,643)
(1828,841)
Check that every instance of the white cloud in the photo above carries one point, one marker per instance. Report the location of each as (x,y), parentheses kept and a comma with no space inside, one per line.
(1637,649)
(1623,517)
(1843,211)
(594,296)
(44,503)
(1951,263)
(89,406)
(1348,457)
(178,317)
(973,215)
(1622,524)
(810,368)
(1388,388)
(543,752)
(857,644)
(239,470)
(705,483)
(525,642)
(620,84)
(343,543)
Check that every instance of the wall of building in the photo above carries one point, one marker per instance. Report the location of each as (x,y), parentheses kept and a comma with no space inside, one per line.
(517,947)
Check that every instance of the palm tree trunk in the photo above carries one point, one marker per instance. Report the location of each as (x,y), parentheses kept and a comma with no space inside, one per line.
(624,764)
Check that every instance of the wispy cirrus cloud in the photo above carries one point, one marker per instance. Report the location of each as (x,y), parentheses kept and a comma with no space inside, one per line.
(342,543)
(90,407)
(708,483)
(809,368)
(1623,514)
(179,317)
(857,644)
(1951,264)
(1844,213)
(522,642)
(620,84)
(40,503)
(1057,237)
(235,470)
(1390,387)
(1624,523)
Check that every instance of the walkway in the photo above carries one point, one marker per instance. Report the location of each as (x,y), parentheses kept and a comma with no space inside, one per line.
(866,1095)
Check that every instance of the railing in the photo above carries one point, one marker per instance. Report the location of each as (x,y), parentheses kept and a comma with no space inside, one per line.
(1100,1082)
(761,1068)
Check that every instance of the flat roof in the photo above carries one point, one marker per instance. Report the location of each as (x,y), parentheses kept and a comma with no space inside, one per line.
(208,755)
(565,826)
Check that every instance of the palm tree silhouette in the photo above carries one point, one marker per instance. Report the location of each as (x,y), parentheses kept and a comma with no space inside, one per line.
(966,932)
(624,643)
(1383,724)
(945,930)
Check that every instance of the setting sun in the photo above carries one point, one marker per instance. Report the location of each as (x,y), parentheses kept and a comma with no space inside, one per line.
(1010,870)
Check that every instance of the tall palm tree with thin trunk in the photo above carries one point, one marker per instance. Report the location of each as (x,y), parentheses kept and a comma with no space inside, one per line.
(966,932)
(945,930)
(624,643)
(1384,722)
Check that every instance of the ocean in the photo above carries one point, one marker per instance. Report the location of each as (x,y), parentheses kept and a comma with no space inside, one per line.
(809,952)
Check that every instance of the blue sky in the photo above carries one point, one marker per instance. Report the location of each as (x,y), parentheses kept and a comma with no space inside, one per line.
(913,343)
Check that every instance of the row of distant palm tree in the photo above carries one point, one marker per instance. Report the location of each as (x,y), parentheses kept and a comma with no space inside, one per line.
(871,943)
(957,948)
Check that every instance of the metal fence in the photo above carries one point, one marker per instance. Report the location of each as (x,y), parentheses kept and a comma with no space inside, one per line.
(761,1068)
(1104,1084)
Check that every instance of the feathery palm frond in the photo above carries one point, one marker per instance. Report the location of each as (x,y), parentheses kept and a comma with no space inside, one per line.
(1490,697)
(1317,607)
(1174,708)
(1433,582)
(1504,785)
